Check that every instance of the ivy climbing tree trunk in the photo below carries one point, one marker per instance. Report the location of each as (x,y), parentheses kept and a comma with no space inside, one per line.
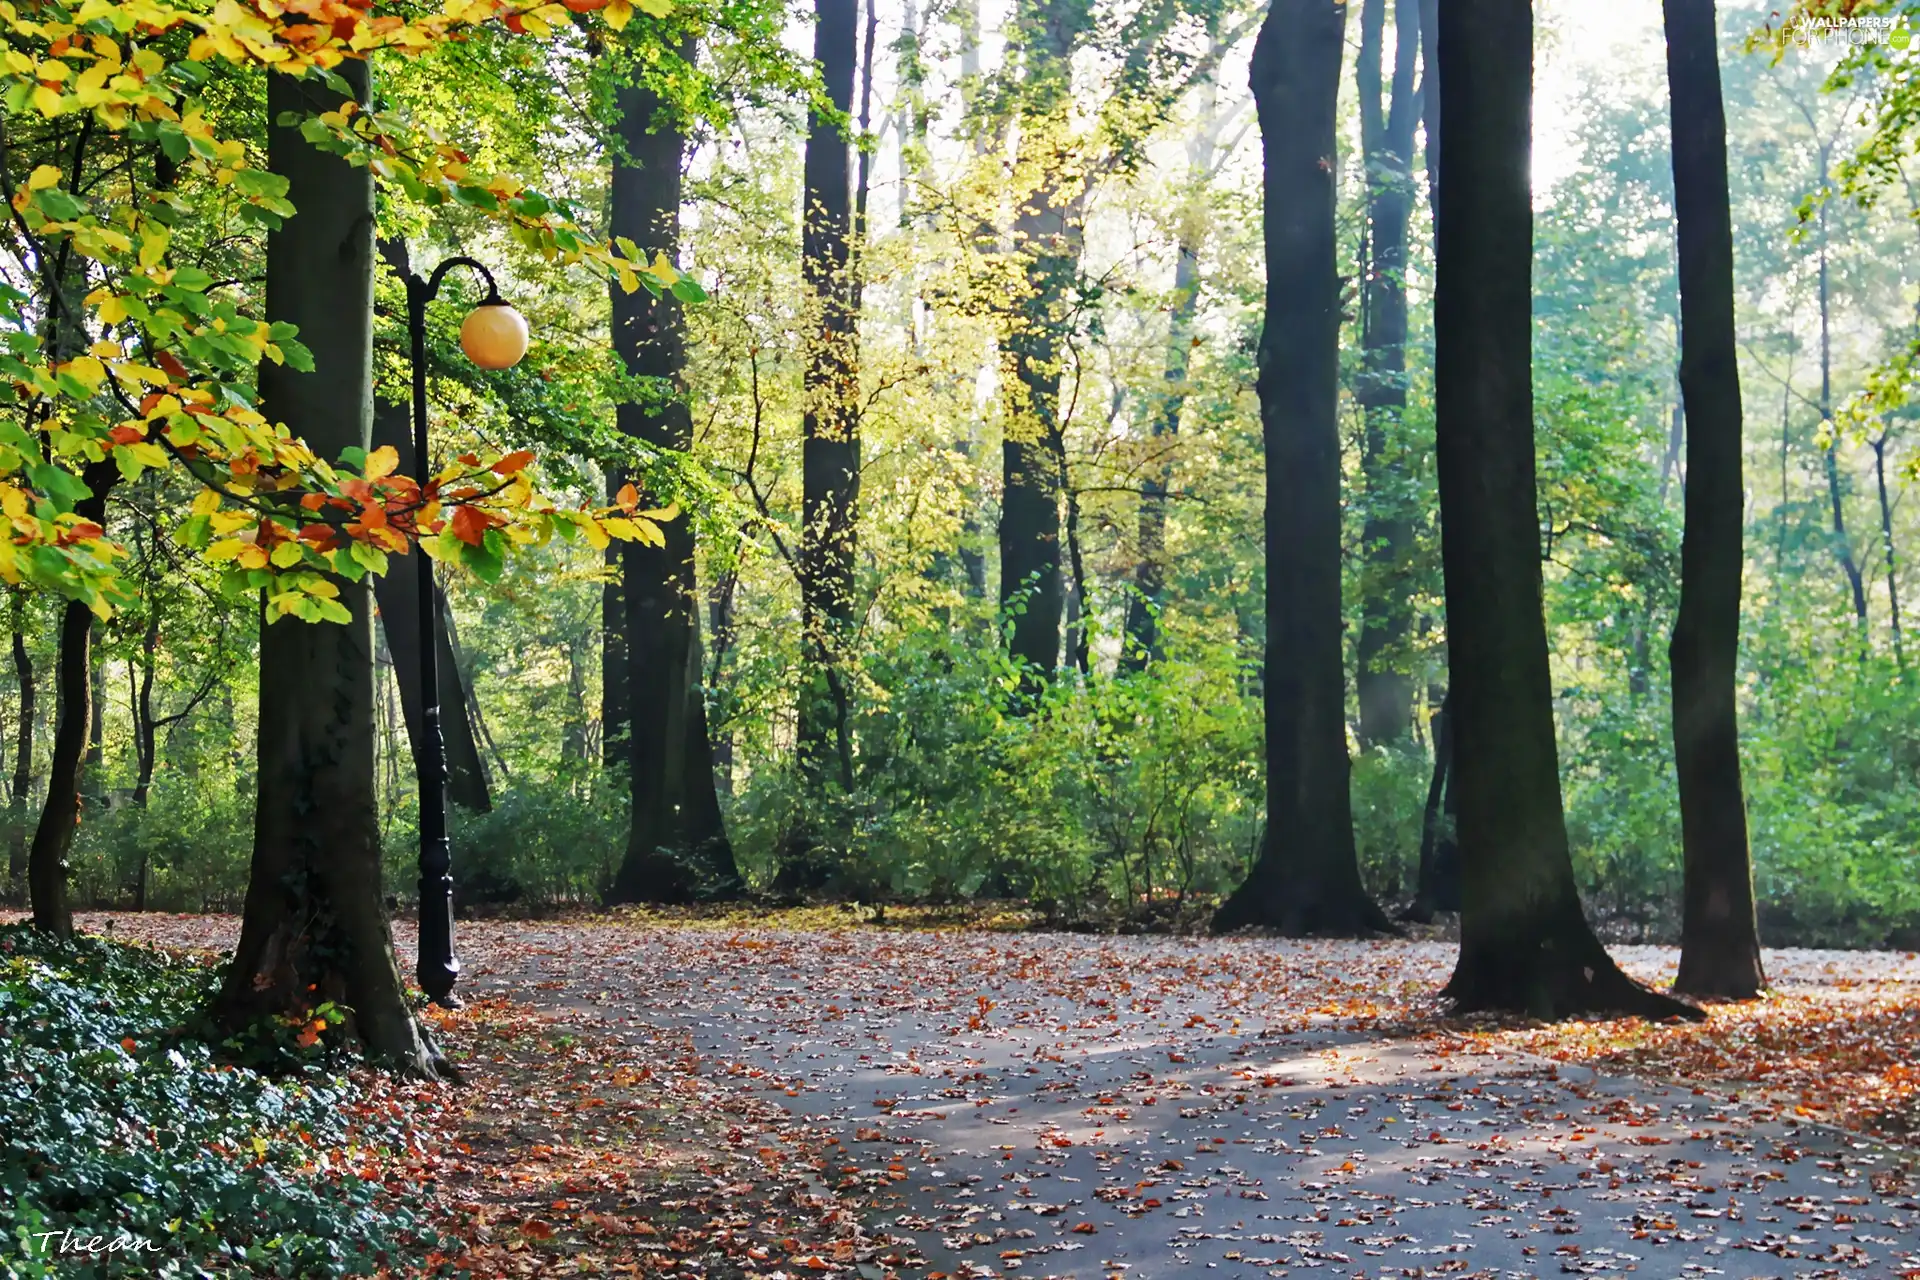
(314,927)
(1524,942)
(1719,937)
(1384,685)
(677,847)
(1307,878)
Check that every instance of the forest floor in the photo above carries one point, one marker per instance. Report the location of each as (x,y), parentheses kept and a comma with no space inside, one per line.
(759,1095)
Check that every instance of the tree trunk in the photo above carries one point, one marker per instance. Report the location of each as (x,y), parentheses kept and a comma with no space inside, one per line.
(92,777)
(1385,688)
(22,746)
(830,460)
(1719,938)
(1836,491)
(1880,444)
(314,928)
(1307,878)
(677,847)
(614,720)
(146,733)
(1142,626)
(1438,885)
(397,595)
(1525,944)
(1047,237)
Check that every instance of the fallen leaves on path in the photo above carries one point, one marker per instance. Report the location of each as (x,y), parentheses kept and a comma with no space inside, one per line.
(1837,1055)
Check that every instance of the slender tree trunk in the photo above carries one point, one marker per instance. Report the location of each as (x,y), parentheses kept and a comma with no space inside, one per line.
(1525,943)
(831,424)
(1047,235)
(22,745)
(1385,688)
(1719,939)
(615,724)
(1438,886)
(677,847)
(1836,491)
(146,733)
(1886,541)
(314,927)
(92,777)
(1142,624)
(1307,878)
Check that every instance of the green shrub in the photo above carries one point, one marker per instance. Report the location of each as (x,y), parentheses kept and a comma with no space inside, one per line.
(120,1127)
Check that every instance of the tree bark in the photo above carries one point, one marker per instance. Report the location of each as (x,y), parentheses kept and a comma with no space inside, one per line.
(830,450)
(1836,490)
(1384,687)
(1525,943)
(1307,878)
(1880,444)
(1719,937)
(1437,888)
(1047,236)
(314,927)
(677,848)
(22,747)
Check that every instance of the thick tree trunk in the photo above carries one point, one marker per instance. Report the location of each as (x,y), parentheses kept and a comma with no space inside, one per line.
(22,746)
(1047,235)
(397,595)
(830,450)
(1384,686)
(1525,943)
(1307,878)
(314,927)
(1719,938)
(677,847)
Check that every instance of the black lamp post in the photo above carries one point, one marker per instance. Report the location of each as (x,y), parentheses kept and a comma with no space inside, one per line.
(494,337)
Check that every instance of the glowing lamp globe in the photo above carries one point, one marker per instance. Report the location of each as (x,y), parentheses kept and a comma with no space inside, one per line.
(494,336)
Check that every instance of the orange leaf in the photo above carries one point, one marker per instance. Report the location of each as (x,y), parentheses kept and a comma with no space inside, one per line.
(128,1044)
(513,462)
(628,498)
(469,525)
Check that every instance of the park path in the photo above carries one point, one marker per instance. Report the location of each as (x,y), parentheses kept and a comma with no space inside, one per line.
(1060,1105)
(1072,1106)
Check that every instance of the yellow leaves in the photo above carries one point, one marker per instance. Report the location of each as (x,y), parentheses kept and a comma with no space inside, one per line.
(382,462)
(109,306)
(206,502)
(285,555)
(42,177)
(663,270)
(85,370)
(618,14)
(153,243)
